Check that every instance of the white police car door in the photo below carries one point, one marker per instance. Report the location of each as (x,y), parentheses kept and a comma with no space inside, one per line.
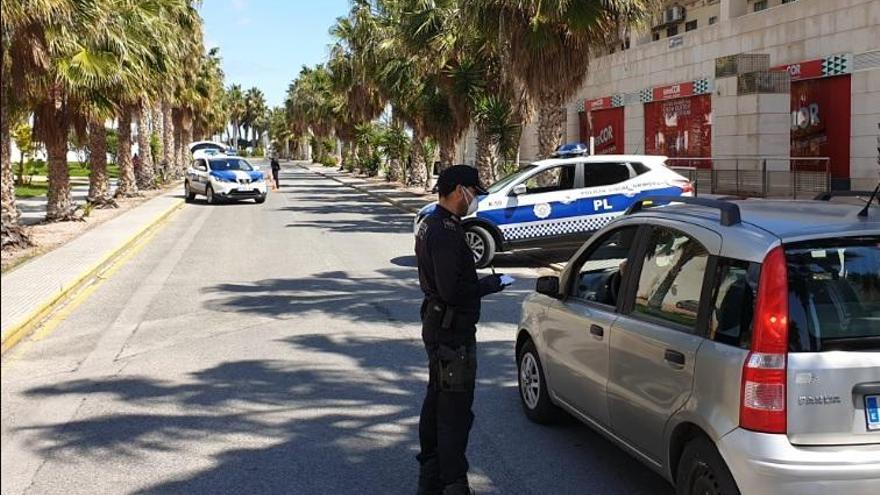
(546,208)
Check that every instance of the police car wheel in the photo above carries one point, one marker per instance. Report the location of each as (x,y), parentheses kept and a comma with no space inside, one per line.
(209,195)
(482,245)
(188,195)
(260,199)
(533,391)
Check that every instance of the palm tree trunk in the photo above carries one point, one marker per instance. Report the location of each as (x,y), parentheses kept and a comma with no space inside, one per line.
(127,186)
(418,172)
(179,163)
(99,188)
(59,207)
(447,155)
(146,176)
(551,124)
(487,158)
(157,125)
(12,234)
(186,124)
(168,141)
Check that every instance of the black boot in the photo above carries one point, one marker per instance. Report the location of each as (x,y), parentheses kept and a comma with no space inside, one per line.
(460,487)
(429,478)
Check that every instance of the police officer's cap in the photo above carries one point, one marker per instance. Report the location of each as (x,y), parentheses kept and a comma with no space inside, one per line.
(456,175)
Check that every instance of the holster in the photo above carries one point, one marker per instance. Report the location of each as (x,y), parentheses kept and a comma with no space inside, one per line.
(438,315)
(457,368)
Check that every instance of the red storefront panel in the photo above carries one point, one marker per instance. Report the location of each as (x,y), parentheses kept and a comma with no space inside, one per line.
(820,123)
(606,128)
(680,127)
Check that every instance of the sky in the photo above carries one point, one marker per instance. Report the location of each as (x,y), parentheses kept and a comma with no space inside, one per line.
(264,43)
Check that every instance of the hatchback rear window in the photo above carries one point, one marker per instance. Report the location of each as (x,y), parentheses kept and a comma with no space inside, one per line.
(834,294)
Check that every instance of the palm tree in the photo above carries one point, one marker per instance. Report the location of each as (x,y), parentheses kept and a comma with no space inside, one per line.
(254,107)
(547,46)
(235,103)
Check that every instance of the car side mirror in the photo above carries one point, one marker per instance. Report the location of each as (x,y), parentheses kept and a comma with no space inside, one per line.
(519,189)
(548,285)
(256,167)
(201,168)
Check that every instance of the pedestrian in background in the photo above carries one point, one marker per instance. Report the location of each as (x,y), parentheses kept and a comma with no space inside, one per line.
(276,172)
(450,311)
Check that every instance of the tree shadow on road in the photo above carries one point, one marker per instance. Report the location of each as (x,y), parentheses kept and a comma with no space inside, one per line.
(339,417)
(392,296)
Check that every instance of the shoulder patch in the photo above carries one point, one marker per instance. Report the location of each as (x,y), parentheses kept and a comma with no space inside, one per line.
(450,224)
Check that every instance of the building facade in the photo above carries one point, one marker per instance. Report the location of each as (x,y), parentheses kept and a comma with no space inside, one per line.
(745,83)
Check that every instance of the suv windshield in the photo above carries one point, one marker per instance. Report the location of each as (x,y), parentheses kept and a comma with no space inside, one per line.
(499,185)
(230,164)
(834,294)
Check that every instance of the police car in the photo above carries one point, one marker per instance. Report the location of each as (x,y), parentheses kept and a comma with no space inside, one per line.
(561,201)
(220,177)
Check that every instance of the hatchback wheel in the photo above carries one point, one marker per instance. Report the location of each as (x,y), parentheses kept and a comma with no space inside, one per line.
(209,194)
(533,387)
(188,194)
(702,471)
(482,244)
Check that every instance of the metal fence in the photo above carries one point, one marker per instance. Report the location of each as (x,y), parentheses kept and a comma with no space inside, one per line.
(755,176)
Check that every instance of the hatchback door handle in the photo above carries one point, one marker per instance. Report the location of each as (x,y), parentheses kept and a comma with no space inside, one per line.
(597,331)
(673,357)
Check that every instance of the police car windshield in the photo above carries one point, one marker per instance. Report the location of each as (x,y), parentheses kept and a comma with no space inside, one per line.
(499,185)
(230,164)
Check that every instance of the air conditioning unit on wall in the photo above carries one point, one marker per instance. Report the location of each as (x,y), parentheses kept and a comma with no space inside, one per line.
(673,14)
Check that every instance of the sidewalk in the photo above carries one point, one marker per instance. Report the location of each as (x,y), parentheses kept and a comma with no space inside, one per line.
(410,199)
(30,291)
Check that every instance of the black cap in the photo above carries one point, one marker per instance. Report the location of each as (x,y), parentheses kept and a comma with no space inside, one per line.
(463,175)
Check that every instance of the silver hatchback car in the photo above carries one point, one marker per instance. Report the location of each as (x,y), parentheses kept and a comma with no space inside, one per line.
(731,345)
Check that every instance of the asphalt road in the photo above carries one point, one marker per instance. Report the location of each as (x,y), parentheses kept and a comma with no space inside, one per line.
(274,349)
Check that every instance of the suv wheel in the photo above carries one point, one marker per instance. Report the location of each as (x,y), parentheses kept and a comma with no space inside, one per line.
(533,391)
(702,471)
(209,195)
(188,194)
(481,243)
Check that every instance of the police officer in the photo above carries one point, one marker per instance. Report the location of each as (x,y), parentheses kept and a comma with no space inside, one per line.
(276,171)
(450,311)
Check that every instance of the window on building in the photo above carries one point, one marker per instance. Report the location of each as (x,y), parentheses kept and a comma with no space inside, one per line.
(655,36)
(787,1)
(713,19)
(690,25)
(671,31)
(760,5)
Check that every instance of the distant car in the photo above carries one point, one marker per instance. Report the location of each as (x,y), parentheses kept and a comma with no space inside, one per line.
(222,177)
(733,355)
(562,201)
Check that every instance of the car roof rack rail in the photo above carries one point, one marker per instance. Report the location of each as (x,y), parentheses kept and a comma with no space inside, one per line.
(729,211)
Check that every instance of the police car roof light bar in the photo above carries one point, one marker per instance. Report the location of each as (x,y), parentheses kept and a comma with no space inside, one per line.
(729,211)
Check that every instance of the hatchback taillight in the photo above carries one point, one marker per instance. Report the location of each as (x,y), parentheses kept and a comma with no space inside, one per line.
(762,401)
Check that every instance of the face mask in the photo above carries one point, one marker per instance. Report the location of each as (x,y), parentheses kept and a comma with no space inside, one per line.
(473,204)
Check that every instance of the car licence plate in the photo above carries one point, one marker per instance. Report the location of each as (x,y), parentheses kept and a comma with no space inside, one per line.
(872,411)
